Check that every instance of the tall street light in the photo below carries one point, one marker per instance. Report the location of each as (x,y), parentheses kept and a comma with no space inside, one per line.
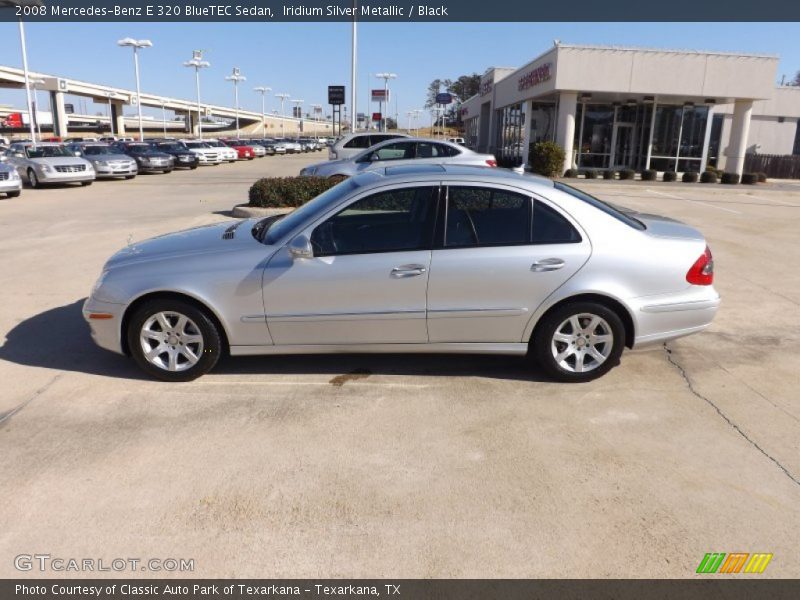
(136,45)
(198,63)
(283,98)
(236,77)
(317,108)
(36,84)
(263,90)
(27,77)
(299,103)
(354,55)
(386,77)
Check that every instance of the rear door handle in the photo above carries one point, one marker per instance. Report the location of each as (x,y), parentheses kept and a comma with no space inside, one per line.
(547,264)
(408,271)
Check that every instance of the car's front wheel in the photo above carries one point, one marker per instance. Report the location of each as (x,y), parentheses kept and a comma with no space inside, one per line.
(173,340)
(33,179)
(85,183)
(579,341)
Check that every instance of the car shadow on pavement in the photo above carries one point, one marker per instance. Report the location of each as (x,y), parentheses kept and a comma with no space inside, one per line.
(59,339)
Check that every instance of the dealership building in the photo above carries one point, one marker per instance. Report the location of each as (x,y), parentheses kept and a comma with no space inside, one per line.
(610,107)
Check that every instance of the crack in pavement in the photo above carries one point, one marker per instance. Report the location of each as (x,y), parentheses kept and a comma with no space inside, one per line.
(738,429)
(5,416)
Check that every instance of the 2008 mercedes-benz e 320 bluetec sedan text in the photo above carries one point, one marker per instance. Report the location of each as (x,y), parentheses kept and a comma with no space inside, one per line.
(412,259)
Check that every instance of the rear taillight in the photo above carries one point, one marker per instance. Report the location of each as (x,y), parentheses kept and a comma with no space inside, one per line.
(702,271)
(491,162)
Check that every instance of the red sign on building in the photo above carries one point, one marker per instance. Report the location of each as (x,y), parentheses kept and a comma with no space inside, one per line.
(376,116)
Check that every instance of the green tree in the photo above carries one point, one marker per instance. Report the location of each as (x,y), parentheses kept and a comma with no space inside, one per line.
(465,86)
(796,81)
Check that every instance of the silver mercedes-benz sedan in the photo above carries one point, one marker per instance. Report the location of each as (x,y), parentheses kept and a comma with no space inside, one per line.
(400,151)
(415,258)
(49,162)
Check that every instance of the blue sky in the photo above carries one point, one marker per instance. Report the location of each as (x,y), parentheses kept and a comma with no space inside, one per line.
(302,59)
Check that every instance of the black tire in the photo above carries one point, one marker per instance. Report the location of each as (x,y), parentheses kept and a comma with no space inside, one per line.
(167,171)
(13,194)
(543,343)
(85,183)
(33,179)
(193,168)
(212,345)
(129,176)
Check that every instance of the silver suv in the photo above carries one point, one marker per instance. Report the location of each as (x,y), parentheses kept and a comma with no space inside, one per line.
(355,143)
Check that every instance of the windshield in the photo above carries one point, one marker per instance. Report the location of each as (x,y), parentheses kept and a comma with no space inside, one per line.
(310,210)
(196,145)
(138,149)
(214,144)
(97,150)
(607,208)
(170,147)
(46,151)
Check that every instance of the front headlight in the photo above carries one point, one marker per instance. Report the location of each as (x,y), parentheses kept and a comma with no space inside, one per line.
(13,175)
(99,282)
(100,163)
(46,168)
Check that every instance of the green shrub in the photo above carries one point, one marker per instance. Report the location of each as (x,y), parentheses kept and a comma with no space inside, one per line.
(750,178)
(762,177)
(670,176)
(590,173)
(707,177)
(546,158)
(571,173)
(730,178)
(649,175)
(627,174)
(691,177)
(287,192)
(609,174)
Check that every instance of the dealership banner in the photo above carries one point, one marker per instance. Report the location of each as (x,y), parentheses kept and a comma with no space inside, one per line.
(388,10)
(409,589)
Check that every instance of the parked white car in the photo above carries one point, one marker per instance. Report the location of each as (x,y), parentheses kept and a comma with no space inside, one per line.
(396,152)
(47,163)
(226,153)
(207,154)
(10,181)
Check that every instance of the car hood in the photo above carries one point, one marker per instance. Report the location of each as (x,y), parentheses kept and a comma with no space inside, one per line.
(216,238)
(107,157)
(57,160)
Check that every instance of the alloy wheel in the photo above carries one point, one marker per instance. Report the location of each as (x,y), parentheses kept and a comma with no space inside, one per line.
(582,343)
(171,341)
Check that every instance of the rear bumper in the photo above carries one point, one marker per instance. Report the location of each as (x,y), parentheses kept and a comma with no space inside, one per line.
(666,317)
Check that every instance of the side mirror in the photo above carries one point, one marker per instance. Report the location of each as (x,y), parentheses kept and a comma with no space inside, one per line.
(300,247)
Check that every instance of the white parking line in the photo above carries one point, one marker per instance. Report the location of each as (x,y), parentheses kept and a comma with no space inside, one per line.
(730,210)
(754,197)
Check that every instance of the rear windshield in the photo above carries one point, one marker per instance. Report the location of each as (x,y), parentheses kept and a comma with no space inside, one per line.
(607,208)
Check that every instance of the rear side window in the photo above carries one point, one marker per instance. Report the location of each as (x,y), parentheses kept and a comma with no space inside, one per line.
(433,150)
(549,227)
(360,141)
(486,217)
(600,205)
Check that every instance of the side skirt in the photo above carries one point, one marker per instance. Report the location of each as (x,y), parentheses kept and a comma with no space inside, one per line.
(454,348)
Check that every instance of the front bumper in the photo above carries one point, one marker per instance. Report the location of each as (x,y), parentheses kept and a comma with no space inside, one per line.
(666,317)
(10,185)
(105,323)
(115,170)
(154,168)
(56,177)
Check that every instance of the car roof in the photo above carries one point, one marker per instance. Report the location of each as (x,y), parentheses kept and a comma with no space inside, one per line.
(430,172)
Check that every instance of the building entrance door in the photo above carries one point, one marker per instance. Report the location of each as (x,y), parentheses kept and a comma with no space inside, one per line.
(623,148)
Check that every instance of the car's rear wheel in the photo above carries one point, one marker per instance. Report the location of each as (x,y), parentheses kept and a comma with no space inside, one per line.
(173,340)
(33,179)
(129,176)
(85,183)
(579,341)
(13,194)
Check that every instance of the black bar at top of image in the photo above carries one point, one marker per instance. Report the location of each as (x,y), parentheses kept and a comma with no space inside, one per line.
(706,588)
(398,10)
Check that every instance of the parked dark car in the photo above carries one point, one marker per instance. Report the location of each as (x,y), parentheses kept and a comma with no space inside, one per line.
(184,158)
(147,158)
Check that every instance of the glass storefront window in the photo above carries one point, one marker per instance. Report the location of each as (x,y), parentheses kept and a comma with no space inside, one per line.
(678,137)
(471,133)
(543,122)
(594,130)
(510,135)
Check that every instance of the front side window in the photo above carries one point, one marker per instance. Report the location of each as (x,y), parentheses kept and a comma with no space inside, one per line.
(486,217)
(392,221)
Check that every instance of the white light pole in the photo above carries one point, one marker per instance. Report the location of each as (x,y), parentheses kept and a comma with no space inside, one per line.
(35,84)
(164,118)
(317,108)
(354,52)
(236,77)
(298,104)
(198,63)
(136,45)
(386,77)
(27,80)
(283,98)
(263,91)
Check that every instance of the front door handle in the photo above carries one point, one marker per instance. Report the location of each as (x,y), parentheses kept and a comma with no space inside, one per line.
(408,271)
(547,264)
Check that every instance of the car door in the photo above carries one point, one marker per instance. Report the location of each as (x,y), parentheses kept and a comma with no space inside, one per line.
(368,276)
(500,254)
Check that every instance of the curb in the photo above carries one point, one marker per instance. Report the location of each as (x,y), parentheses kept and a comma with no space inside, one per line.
(243,211)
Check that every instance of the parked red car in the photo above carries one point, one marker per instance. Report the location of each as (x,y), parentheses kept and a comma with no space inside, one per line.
(245,152)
